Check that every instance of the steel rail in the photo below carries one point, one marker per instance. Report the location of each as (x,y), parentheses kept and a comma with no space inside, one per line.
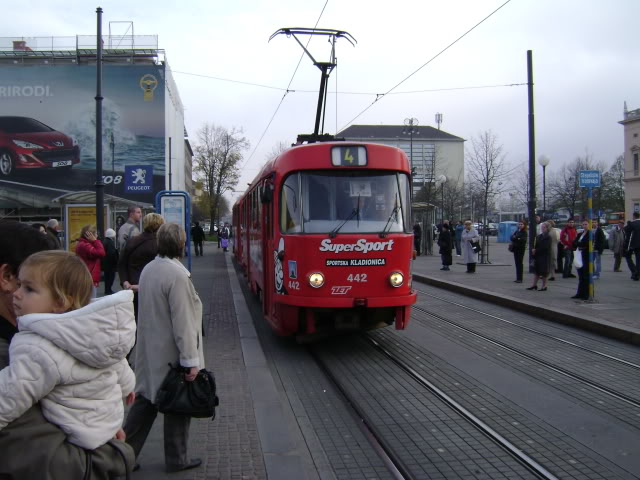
(620,396)
(524,459)
(532,330)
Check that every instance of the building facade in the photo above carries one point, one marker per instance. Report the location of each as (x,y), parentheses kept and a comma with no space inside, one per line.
(48,123)
(631,124)
(431,152)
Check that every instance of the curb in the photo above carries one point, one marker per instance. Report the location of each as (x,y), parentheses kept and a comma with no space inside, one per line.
(584,322)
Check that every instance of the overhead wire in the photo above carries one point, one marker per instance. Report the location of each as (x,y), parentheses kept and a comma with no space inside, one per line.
(379,97)
(285,93)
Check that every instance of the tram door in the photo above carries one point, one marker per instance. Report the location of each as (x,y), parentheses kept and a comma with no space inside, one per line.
(268,249)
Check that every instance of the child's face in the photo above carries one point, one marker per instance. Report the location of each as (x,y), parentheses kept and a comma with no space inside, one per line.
(33,296)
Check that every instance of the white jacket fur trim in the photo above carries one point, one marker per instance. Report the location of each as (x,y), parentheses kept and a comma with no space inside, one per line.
(74,364)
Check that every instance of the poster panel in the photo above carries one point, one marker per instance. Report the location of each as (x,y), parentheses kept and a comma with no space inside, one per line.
(77,216)
(172,208)
(47,129)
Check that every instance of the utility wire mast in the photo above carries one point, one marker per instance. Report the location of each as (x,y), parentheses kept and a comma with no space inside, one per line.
(325,69)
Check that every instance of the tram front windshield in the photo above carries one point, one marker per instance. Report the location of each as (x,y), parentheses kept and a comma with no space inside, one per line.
(345,202)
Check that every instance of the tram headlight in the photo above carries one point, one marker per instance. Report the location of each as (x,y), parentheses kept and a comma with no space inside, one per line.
(316,280)
(396,279)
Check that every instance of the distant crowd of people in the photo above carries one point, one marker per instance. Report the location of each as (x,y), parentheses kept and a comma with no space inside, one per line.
(554,252)
(81,358)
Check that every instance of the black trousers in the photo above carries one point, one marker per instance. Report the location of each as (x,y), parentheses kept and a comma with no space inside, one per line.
(109,277)
(583,282)
(197,246)
(471,267)
(518,258)
(633,267)
(176,431)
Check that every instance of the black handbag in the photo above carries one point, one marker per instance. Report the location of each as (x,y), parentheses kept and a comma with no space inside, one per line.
(475,246)
(196,399)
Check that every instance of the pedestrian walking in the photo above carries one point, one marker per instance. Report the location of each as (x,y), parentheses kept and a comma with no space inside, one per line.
(131,228)
(582,245)
(137,253)
(616,244)
(417,238)
(197,235)
(91,251)
(458,237)
(633,246)
(554,236)
(518,246)
(598,249)
(445,242)
(109,262)
(541,253)
(469,239)
(169,332)
(567,238)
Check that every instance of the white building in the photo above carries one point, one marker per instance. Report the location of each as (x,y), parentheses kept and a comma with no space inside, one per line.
(631,123)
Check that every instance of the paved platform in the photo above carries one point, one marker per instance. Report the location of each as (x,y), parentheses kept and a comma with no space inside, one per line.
(249,438)
(614,311)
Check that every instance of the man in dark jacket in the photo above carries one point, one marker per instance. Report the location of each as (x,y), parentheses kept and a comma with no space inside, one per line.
(632,241)
(417,237)
(445,242)
(53,227)
(109,263)
(197,235)
(598,249)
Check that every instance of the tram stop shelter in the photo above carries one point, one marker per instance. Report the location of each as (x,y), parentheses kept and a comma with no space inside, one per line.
(425,214)
(79,208)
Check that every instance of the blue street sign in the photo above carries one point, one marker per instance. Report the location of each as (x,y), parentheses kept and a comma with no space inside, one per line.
(589,178)
(138,178)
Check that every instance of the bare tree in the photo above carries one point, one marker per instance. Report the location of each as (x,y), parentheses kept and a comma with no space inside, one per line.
(487,170)
(218,153)
(613,186)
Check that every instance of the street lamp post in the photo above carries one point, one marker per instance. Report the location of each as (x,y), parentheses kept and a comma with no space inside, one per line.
(544,161)
(442,179)
(410,127)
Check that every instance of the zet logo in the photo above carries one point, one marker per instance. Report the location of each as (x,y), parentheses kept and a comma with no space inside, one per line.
(138,178)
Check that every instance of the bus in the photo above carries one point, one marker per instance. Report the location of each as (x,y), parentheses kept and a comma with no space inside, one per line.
(613,218)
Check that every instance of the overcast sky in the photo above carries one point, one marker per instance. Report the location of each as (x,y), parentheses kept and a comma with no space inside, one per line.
(585,58)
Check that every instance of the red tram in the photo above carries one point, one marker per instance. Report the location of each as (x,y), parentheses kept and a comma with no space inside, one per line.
(325,239)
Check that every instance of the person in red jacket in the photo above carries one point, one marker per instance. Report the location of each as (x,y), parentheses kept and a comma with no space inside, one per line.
(567,237)
(91,251)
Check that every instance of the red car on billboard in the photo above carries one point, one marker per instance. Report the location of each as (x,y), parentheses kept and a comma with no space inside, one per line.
(28,143)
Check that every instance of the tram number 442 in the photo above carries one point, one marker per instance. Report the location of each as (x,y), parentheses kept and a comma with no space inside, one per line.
(108,179)
(357,277)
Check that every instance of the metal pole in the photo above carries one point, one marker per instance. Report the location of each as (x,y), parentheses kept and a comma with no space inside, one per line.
(113,165)
(591,235)
(99,181)
(544,189)
(532,160)
(170,187)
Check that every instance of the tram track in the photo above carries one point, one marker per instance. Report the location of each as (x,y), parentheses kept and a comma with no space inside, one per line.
(562,371)
(532,330)
(398,467)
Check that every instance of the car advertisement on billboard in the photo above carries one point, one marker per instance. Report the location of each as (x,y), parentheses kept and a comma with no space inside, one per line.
(47,131)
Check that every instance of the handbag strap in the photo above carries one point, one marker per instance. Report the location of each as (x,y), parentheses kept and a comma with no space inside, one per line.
(88,465)
(127,467)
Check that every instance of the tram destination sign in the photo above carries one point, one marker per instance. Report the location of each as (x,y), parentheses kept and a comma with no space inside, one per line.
(589,178)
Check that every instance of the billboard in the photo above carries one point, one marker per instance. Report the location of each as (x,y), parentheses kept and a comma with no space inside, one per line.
(47,130)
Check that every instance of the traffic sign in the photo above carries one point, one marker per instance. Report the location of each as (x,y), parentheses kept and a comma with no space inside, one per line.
(589,178)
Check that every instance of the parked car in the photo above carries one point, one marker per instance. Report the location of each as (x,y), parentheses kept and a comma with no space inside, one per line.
(27,143)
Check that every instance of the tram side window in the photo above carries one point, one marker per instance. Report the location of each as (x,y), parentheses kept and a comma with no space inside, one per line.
(290,205)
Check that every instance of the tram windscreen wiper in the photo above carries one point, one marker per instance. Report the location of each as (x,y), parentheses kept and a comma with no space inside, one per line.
(355,212)
(383,233)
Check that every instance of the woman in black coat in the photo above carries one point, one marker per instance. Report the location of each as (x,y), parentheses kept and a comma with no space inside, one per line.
(445,242)
(541,254)
(518,247)
(582,244)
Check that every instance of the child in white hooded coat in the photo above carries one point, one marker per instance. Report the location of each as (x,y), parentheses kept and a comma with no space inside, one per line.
(69,354)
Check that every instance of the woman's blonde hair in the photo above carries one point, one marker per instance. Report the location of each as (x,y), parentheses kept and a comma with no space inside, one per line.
(65,275)
(152,222)
(88,228)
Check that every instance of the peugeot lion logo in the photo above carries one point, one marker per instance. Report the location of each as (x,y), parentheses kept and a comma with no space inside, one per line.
(58,144)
